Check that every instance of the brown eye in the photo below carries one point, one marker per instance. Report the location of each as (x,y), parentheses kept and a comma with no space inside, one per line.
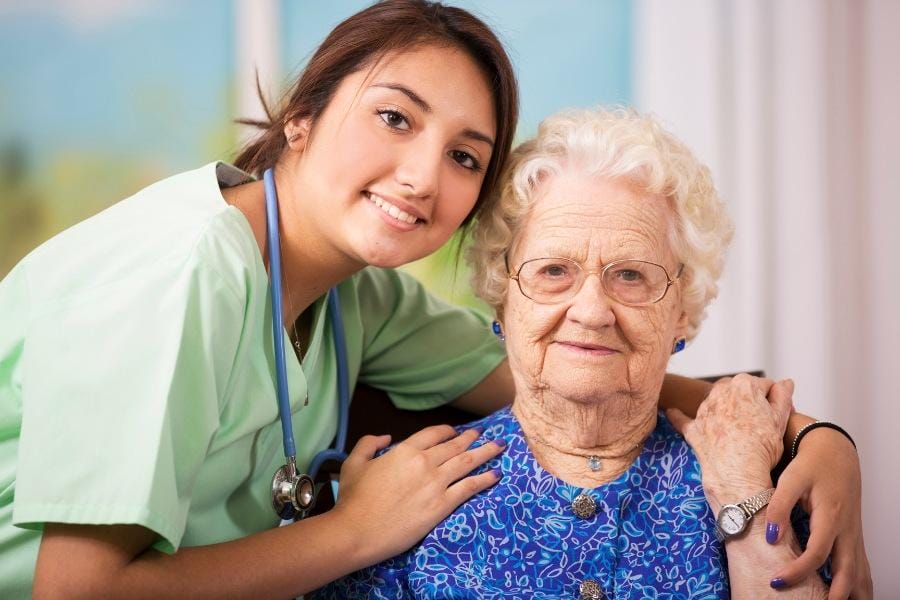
(465,160)
(394,119)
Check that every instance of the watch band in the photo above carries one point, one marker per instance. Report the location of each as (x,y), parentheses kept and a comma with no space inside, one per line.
(752,504)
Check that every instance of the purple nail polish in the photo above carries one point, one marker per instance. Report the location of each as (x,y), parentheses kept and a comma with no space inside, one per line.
(497,474)
(479,429)
(777,583)
(500,442)
(771,532)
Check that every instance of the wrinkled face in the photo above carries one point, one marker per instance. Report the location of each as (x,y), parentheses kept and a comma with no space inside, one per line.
(589,347)
(396,160)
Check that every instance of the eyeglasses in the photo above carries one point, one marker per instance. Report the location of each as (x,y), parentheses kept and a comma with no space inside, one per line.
(628,282)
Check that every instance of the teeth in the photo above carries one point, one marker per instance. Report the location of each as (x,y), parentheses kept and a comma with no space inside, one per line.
(392,210)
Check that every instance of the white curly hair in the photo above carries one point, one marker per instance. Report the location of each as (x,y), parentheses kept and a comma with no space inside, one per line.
(612,144)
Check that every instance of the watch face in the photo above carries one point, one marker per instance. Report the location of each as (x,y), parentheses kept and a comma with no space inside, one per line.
(732,519)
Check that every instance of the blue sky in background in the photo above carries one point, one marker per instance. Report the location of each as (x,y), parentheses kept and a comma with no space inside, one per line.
(149,81)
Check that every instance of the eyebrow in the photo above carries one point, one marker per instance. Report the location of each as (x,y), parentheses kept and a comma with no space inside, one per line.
(420,102)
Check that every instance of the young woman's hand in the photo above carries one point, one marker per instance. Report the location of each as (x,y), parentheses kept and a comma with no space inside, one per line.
(825,479)
(395,499)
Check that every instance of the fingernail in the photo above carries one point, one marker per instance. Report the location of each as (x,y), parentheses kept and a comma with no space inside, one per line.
(497,473)
(500,442)
(777,583)
(771,532)
(479,429)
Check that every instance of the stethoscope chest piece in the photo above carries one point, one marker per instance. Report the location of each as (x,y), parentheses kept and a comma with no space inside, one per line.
(292,494)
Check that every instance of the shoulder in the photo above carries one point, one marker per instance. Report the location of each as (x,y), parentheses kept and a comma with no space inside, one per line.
(501,422)
(665,435)
(667,464)
(172,228)
(665,445)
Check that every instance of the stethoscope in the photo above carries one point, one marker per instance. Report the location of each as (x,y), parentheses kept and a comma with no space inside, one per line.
(293,493)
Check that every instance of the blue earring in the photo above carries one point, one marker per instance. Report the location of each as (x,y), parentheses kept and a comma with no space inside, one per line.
(498,330)
(678,346)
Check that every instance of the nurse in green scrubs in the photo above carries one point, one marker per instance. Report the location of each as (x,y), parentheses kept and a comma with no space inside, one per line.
(138,420)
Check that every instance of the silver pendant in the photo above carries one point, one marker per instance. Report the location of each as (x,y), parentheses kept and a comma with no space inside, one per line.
(593,463)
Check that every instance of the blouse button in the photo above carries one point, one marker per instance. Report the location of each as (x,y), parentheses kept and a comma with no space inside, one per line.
(584,506)
(590,590)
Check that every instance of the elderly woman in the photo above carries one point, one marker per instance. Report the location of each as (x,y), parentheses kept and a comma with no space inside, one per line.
(600,265)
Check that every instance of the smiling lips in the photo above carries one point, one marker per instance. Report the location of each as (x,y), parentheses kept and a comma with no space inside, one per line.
(593,349)
(397,213)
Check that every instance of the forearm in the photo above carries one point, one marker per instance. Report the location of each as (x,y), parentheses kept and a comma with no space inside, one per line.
(279,563)
(491,394)
(751,563)
(684,393)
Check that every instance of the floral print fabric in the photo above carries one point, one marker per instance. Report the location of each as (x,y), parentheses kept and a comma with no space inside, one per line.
(652,535)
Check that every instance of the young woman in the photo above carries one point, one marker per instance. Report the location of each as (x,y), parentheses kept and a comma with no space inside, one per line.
(139,423)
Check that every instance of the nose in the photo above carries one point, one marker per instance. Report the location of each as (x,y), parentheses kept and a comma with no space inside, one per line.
(591,307)
(419,169)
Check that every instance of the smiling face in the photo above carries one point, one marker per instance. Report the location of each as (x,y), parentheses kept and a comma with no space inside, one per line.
(589,347)
(395,162)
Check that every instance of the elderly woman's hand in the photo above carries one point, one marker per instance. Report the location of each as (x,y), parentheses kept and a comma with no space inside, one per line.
(737,435)
(825,479)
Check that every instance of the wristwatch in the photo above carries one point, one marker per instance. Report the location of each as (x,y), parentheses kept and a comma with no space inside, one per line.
(733,518)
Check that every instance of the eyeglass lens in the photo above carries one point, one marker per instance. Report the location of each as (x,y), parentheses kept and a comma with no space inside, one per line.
(629,282)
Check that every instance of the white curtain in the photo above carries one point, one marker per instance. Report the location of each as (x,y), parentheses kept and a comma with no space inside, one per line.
(794,107)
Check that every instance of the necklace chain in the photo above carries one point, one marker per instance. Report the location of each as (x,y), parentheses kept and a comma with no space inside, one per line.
(295,339)
(594,462)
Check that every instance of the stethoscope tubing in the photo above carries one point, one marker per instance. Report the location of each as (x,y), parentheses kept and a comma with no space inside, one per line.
(273,239)
(338,335)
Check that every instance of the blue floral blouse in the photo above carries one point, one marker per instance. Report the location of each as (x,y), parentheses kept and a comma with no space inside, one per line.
(652,535)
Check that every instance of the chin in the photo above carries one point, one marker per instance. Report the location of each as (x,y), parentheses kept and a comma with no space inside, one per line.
(388,253)
(592,395)
(385,257)
(586,386)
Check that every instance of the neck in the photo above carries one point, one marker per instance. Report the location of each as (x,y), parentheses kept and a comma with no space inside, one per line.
(568,437)
(309,264)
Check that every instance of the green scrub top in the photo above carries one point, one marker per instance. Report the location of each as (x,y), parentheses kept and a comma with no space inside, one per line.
(137,371)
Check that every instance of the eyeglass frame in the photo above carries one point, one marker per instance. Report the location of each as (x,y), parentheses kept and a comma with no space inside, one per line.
(600,273)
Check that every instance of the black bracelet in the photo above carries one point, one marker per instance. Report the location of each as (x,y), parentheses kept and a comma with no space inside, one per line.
(815,425)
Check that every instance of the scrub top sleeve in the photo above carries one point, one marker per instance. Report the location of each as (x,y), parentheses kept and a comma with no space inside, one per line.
(121,390)
(421,350)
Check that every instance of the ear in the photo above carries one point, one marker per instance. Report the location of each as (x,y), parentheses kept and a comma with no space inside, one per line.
(681,326)
(296,132)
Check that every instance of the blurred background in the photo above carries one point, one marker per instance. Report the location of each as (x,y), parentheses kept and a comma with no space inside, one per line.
(792,104)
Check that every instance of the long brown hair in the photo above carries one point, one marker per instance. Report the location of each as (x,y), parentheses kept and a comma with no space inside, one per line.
(360,41)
